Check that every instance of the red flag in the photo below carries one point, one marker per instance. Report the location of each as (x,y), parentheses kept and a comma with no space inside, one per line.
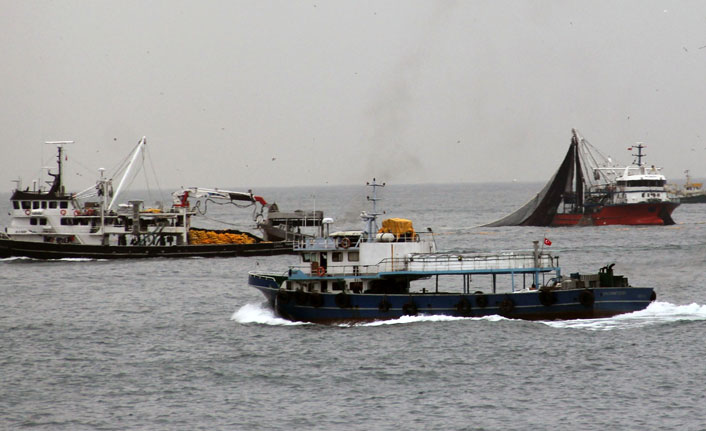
(547,242)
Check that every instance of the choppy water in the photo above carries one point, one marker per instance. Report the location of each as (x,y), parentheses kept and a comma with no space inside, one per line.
(186,344)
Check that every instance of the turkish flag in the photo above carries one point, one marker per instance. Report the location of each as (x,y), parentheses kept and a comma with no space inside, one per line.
(547,242)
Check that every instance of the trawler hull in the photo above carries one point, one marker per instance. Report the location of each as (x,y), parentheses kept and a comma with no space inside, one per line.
(41,250)
(658,213)
(338,307)
(693,199)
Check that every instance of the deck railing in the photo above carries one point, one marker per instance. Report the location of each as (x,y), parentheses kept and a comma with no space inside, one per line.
(447,263)
(462,263)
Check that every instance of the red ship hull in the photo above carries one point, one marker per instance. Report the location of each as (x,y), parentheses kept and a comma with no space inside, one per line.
(658,213)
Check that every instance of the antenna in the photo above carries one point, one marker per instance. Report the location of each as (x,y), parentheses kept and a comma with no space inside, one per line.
(371,218)
(639,154)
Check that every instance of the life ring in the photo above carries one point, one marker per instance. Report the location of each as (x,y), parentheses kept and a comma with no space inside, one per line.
(320,271)
(409,308)
(345,242)
(384,305)
(546,297)
(27,212)
(463,306)
(316,299)
(481,299)
(586,298)
(506,305)
(63,212)
(342,300)
(77,212)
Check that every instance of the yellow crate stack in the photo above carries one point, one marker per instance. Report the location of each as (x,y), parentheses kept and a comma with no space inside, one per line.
(197,237)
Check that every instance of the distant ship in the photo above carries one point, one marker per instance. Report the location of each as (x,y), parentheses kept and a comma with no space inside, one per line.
(589,190)
(690,192)
(54,224)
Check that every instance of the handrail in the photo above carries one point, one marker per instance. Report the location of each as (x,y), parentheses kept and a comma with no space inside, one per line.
(440,263)
(333,243)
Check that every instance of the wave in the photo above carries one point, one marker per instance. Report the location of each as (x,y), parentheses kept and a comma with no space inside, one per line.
(422,318)
(656,313)
(62,259)
(261,314)
(264,315)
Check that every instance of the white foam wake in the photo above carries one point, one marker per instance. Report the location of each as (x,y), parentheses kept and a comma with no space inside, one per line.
(655,313)
(423,318)
(63,259)
(260,314)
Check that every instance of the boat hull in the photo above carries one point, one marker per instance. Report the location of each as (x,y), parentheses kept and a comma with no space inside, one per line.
(41,250)
(658,213)
(338,307)
(693,199)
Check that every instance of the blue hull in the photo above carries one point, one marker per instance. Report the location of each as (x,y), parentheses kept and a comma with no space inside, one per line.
(335,307)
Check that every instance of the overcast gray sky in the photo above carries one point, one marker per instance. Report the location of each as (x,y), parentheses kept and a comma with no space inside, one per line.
(275,93)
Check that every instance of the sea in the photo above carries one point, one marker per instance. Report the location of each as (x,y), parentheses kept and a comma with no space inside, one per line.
(186,344)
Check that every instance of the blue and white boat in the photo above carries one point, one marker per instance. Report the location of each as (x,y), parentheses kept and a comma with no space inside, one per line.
(385,273)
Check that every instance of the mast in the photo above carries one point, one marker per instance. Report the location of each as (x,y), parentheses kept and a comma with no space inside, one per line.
(138,150)
(57,186)
(578,171)
(370,218)
(639,154)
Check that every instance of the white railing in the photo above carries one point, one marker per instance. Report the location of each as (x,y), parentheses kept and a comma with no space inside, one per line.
(333,243)
(439,263)
(494,262)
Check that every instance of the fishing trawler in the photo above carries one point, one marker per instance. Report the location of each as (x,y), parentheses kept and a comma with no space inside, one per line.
(392,271)
(54,224)
(589,189)
(690,192)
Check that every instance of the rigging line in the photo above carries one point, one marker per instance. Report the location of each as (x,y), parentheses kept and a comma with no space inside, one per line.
(122,165)
(75,161)
(147,183)
(197,205)
(134,177)
(154,172)
(587,149)
(219,221)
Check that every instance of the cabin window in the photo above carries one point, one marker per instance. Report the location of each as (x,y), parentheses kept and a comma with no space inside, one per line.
(44,205)
(642,183)
(353,256)
(306,257)
(42,221)
(52,204)
(35,205)
(26,205)
(336,256)
(63,204)
(16,205)
(33,221)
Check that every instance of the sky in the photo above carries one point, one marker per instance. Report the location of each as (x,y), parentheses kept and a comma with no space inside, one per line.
(240,94)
